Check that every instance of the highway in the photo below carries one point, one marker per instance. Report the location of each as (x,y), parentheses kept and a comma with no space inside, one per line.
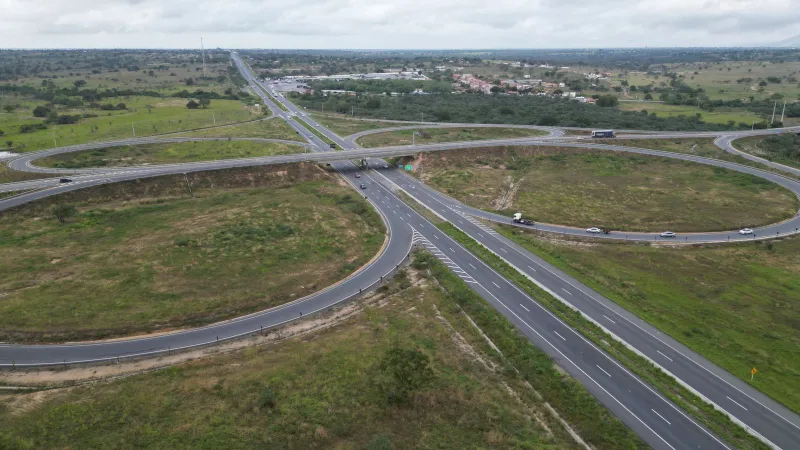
(654,418)
(748,406)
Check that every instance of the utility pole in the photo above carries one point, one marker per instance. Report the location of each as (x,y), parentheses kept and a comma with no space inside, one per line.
(423,117)
(203,51)
(54,140)
(352,111)
(784,111)
(134,129)
(213,116)
(773,112)
(753,127)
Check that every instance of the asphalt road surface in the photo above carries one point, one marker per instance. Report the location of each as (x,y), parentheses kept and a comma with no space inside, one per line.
(653,417)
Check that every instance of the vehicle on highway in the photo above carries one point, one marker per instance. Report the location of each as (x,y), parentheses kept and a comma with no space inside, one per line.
(363,186)
(745,231)
(385,166)
(358,175)
(594,230)
(333,145)
(518,219)
(65,180)
(603,134)
(668,234)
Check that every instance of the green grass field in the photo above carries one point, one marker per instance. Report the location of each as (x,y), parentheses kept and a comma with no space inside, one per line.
(718,116)
(720,83)
(343,126)
(434,135)
(172,152)
(737,305)
(328,390)
(700,147)
(163,116)
(147,255)
(586,188)
(270,128)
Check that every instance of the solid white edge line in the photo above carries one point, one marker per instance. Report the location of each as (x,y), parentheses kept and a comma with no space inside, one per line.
(659,415)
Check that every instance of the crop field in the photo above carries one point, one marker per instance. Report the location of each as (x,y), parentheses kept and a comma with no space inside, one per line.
(434,135)
(172,152)
(334,389)
(142,116)
(267,128)
(178,251)
(589,188)
(737,305)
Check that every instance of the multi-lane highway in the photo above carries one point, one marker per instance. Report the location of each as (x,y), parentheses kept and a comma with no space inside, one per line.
(656,419)
(755,411)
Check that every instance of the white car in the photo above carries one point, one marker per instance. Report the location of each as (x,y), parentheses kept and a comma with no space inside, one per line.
(668,234)
(594,230)
(744,231)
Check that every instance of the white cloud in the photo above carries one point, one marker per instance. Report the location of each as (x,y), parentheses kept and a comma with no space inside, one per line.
(395,24)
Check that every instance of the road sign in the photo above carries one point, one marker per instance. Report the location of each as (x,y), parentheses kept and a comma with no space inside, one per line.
(409,167)
(399,166)
(752,373)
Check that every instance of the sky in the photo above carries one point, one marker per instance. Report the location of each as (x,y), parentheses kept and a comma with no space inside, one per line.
(395,24)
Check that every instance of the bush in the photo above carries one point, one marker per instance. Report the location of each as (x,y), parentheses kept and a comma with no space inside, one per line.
(63,212)
(41,111)
(406,370)
(267,399)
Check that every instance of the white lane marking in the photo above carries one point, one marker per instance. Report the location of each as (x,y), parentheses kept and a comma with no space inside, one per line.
(604,371)
(737,403)
(609,319)
(495,284)
(501,248)
(435,236)
(451,249)
(462,223)
(529,267)
(470,264)
(581,370)
(665,356)
(523,307)
(659,415)
(562,337)
(568,292)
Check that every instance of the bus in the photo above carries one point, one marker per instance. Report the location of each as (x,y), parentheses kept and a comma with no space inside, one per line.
(603,134)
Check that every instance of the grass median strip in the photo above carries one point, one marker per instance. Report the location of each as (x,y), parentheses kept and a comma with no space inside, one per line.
(717,422)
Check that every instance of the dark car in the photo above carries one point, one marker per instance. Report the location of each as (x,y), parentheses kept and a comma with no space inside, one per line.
(65,180)
(363,186)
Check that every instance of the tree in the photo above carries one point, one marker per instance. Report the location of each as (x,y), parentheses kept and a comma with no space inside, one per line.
(607,101)
(204,102)
(192,104)
(9,144)
(79,83)
(373,103)
(190,82)
(41,111)
(122,106)
(496,89)
(63,212)
(407,370)
(9,108)
(2,133)
(149,109)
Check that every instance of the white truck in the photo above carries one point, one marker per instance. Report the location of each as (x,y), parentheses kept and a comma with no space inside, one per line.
(518,219)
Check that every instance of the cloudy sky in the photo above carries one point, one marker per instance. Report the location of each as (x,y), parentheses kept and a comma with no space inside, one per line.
(419,24)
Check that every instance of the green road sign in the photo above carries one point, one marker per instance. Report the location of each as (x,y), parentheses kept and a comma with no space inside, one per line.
(409,167)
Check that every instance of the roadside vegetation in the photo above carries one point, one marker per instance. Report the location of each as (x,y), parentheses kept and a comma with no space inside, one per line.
(737,304)
(483,108)
(697,146)
(782,148)
(409,370)
(717,423)
(266,128)
(344,126)
(434,135)
(9,176)
(169,152)
(175,251)
(583,188)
